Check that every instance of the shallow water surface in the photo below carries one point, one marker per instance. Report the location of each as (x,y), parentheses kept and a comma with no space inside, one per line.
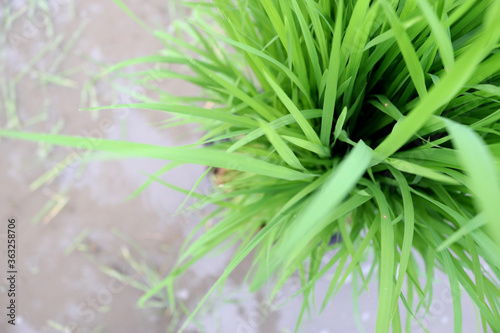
(63,284)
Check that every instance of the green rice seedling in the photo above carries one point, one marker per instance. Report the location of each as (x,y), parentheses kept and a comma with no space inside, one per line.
(78,242)
(53,207)
(138,273)
(58,327)
(373,120)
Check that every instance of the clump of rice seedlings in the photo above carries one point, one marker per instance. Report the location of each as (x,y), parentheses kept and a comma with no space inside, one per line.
(373,122)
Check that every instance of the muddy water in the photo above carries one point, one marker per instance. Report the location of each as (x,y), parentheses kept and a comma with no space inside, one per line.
(59,289)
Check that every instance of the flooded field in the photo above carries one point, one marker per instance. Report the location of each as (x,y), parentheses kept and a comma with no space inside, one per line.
(86,253)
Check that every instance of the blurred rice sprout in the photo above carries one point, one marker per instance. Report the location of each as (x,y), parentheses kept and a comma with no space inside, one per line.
(376,120)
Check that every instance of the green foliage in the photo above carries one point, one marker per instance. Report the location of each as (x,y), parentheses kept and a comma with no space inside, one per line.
(377,121)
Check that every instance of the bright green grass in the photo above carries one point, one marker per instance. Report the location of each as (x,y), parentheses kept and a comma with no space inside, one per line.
(375,120)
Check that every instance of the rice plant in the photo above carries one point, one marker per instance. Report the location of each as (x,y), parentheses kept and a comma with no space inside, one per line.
(370,122)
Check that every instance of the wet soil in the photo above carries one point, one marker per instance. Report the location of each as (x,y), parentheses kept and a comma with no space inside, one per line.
(63,290)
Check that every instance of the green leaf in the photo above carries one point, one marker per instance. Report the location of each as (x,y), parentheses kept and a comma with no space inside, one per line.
(332,80)
(294,111)
(447,88)
(480,166)
(204,156)
(324,202)
(281,147)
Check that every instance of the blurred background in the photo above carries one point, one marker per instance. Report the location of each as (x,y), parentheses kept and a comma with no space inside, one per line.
(86,251)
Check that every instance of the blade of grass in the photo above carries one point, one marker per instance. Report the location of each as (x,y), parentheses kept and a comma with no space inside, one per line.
(205,156)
